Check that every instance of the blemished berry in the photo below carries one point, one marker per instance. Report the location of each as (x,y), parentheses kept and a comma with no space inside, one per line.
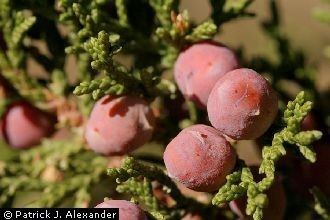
(242,104)
(276,200)
(24,125)
(199,67)
(200,158)
(127,210)
(119,125)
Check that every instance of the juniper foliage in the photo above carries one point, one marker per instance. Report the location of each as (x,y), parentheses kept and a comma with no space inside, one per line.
(96,34)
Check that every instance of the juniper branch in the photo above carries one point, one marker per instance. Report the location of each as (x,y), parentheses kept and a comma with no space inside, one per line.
(142,192)
(14,25)
(204,31)
(132,168)
(227,10)
(241,182)
(25,172)
(118,79)
(322,204)
(122,12)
